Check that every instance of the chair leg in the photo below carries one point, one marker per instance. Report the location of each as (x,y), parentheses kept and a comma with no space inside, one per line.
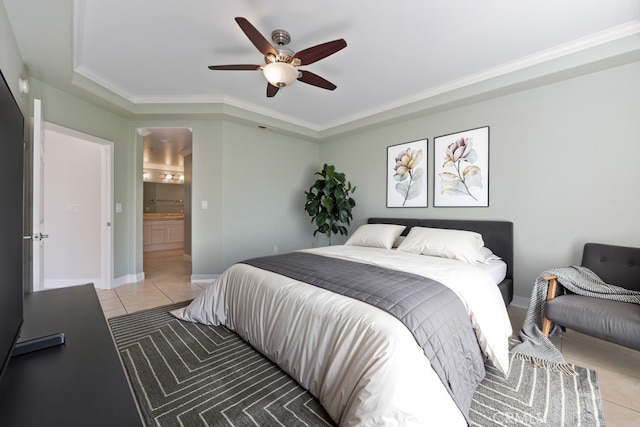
(546,327)
(551,293)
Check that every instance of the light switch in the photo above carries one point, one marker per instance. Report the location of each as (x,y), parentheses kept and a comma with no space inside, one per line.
(205,204)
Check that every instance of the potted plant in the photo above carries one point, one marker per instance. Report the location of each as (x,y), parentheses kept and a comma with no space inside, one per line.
(329,202)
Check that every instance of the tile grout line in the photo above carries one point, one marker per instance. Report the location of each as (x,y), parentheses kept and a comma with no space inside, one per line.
(621,405)
(162,292)
(120,300)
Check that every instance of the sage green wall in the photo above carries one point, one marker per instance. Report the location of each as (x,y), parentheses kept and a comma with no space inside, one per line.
(265,176)
(207,244)
(563,167)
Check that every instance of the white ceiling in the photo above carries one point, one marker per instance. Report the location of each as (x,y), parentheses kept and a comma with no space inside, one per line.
(140,54)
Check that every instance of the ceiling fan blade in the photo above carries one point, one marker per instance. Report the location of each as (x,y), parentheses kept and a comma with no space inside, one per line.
(235,67)
(316,53)
(258,40)
(272,90)
(315,80)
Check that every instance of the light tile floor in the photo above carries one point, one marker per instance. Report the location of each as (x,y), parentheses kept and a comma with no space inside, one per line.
(167,280)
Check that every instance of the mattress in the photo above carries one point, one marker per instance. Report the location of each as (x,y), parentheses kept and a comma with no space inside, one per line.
(496,268)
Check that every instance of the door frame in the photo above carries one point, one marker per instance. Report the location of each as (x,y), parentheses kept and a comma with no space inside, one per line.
(106,211)
(37,251)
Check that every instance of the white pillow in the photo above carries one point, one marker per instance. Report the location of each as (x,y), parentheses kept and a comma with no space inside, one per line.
(488,255)
(455,244)
(376,235)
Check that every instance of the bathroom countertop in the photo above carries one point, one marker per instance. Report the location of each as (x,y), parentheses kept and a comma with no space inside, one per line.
(162,216)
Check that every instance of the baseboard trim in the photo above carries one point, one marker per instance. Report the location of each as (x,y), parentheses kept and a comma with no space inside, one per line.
(65,283)
(519,301)
(162,247)
(126,279)
(204,278)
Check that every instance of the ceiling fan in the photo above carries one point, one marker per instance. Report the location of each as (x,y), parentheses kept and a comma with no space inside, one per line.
(281,63)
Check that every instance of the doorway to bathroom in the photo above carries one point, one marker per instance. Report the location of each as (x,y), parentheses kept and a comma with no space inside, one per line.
(167,160)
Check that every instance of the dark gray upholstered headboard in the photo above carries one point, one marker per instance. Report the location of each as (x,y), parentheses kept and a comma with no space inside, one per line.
(497,236)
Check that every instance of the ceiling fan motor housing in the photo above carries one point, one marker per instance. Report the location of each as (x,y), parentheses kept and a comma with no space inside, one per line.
(283,55)
(280,37)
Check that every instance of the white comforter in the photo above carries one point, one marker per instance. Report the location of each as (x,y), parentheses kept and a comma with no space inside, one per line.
(362,363)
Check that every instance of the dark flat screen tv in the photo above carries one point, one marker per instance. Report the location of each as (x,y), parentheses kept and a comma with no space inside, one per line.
(11,222)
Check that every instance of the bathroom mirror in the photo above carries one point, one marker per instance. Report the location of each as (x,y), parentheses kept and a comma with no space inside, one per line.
(163,198)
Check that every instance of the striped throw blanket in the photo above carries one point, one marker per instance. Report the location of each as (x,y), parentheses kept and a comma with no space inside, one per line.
(537,348)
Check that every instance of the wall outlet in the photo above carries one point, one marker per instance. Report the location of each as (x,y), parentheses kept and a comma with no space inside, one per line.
(205,204)
(313,243)
(72,208)
(275,249)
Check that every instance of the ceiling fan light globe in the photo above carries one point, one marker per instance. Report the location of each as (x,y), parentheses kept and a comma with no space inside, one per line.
(280,74)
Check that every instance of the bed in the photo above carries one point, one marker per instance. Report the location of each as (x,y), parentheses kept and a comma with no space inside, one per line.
(368,359)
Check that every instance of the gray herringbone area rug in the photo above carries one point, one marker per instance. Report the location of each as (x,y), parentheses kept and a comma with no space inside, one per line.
(185,374)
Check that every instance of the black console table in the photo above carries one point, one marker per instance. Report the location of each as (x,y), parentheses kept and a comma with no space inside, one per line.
(80,383)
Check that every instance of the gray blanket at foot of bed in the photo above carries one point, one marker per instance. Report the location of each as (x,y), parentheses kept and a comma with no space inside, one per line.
(431,311)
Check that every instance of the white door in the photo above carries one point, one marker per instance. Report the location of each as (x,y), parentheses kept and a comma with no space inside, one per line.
(77,202)
(76,208)
(38,225)
(104,235)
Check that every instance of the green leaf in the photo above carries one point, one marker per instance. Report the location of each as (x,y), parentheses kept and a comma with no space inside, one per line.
(312,207)
(448,176)
(402,188)
(323,228)
(474,180)
(472,156)
(414,190)
(321,219)
(329,171)
(417,174)
(453,188)
(327,203)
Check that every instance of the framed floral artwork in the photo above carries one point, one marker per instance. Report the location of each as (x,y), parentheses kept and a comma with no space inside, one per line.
(407,175)
(461,169)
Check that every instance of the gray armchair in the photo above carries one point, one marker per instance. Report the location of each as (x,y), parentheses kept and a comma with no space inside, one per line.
(614,321)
